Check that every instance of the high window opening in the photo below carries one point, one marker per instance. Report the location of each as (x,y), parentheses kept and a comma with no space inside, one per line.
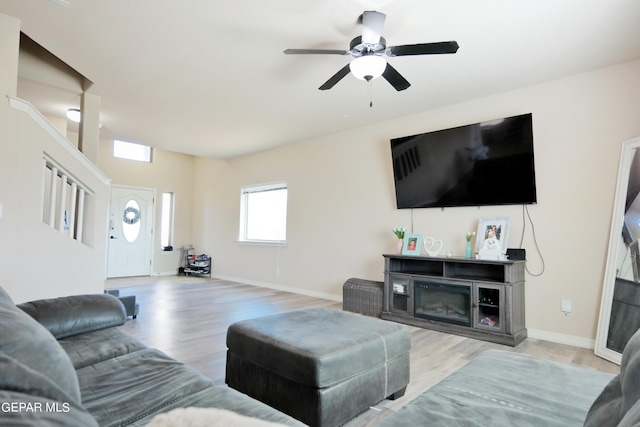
(131,151)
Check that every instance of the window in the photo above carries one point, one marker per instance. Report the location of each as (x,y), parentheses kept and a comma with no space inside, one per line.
(166,224)
(263,213)
(131,151)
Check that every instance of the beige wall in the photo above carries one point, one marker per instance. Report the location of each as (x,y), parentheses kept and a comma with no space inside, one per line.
(341,199)
(169,172)
(38,261)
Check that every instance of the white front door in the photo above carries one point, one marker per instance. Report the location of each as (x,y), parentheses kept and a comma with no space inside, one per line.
(130,232)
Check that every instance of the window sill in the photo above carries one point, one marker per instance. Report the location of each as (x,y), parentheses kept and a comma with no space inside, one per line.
(263,242)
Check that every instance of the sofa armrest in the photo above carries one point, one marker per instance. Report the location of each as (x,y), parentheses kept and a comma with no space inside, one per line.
(75,315)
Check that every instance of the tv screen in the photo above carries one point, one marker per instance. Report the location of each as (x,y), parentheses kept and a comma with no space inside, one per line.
(487,163)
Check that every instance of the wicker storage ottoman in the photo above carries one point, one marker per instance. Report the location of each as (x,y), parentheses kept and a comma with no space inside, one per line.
(320,366)
(363,296)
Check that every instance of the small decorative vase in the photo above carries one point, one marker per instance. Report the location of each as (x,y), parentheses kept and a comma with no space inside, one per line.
(468,253)
(399,245)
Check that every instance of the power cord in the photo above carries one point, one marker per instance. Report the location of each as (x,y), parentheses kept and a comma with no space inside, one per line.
(411,220)
(535,240)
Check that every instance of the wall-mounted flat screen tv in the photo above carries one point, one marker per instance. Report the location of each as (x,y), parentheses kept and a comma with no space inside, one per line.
(487,163)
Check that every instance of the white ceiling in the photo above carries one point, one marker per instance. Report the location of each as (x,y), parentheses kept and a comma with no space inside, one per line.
(210,78)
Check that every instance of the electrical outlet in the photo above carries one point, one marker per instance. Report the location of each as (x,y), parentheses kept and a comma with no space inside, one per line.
(565,306)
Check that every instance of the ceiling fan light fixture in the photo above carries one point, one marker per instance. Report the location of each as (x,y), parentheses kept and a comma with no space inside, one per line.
(368,67)
(74,115)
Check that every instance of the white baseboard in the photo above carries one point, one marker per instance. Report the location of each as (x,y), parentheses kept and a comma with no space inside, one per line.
(306,292)
(561,338)
(165,273)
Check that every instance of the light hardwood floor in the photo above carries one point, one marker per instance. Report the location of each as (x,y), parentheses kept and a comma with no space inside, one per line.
(187,318)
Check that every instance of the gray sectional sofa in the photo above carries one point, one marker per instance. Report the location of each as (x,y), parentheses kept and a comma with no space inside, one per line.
(64,362)
(505,389)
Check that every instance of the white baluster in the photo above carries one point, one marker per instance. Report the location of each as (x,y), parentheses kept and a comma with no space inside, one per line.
(72,209)
(63,203)
(80,214)
(52,196)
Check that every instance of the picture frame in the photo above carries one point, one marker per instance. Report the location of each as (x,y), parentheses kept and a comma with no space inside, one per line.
(412,244)
(492,235)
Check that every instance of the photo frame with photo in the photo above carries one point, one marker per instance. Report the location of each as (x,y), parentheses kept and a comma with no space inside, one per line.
(492,235)
(412,244)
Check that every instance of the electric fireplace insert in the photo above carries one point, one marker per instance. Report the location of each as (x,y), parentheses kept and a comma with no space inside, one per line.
(443,302)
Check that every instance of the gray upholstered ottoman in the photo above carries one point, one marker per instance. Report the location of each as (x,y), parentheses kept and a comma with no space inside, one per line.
(320,366)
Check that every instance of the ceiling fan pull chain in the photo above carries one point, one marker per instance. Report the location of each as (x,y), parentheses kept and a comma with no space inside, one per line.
(370,94)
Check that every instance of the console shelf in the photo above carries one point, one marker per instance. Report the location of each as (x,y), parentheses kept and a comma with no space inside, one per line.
(481,299)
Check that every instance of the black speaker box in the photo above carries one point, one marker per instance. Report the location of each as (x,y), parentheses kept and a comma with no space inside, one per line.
(516,254)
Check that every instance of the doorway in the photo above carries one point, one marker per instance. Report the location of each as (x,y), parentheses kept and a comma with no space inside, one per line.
(131,222)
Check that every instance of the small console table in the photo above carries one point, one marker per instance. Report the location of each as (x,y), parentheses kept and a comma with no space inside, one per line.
(481,299)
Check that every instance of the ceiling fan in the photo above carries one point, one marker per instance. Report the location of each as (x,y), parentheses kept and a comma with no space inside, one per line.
(368,50)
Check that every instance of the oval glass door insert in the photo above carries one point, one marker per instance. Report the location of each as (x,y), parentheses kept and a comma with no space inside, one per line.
(131,221)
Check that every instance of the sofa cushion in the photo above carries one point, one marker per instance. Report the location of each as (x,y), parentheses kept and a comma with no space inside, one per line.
(223,397)
(96,346)
(618,404)
(25,340)
(130,387)
(30,398)
(24,410)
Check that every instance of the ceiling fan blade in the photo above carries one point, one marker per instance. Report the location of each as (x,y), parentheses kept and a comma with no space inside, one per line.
(316,52)
(335,78)
(372,24)
(395,78)
(423,49)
